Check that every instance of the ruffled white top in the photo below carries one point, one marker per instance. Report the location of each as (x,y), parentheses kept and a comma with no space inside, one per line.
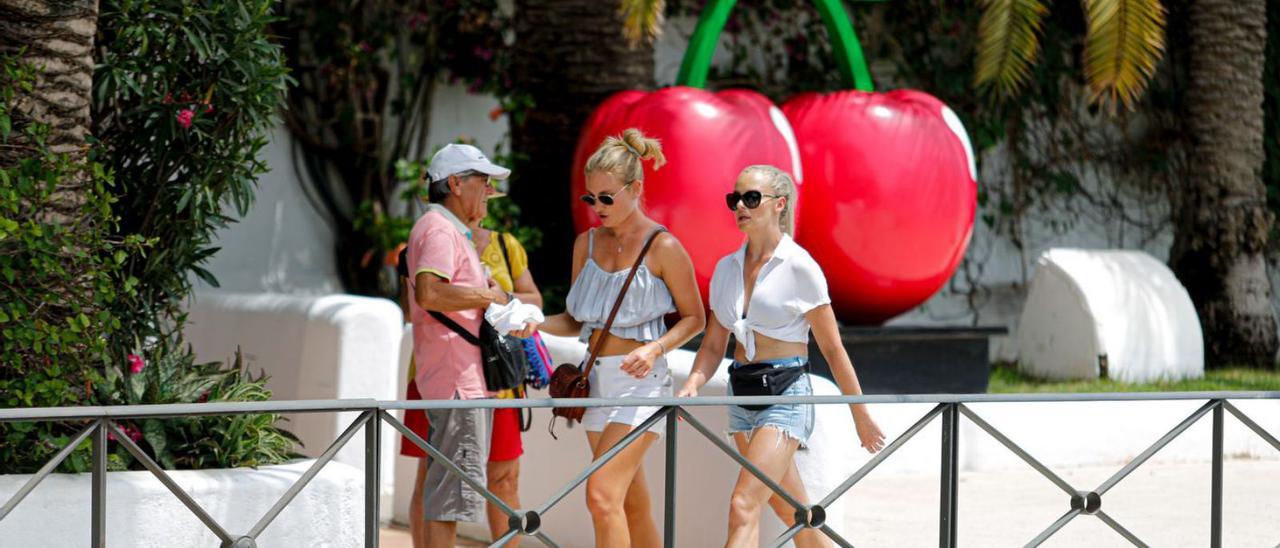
(592,295)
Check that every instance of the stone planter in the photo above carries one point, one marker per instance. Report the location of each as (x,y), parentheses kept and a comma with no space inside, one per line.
(141,513)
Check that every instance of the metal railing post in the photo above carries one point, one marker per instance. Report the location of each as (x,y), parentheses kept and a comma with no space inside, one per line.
(1215,496)
(372,477)
(98,504)
(950,483)
(669,507)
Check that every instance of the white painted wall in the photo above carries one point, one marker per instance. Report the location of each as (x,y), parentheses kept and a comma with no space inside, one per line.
(284,245)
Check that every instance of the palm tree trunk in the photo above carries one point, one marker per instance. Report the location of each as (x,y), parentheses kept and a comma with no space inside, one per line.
(58,41)
(571,55)
(1223,223)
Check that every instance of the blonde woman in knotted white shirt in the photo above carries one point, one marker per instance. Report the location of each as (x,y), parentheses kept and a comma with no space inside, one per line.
(770,294)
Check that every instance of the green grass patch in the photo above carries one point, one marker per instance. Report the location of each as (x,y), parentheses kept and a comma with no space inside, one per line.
(1005,379)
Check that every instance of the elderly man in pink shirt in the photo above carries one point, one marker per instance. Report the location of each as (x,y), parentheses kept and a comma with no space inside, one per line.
(447,277)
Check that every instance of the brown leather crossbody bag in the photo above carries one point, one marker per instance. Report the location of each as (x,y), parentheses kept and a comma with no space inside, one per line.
(570,381)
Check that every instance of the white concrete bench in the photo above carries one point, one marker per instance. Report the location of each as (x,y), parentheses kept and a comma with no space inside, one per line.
(322,347)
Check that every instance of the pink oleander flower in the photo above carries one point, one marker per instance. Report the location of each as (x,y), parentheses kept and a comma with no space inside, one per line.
(208,108)
(417,20)
(136,364)
(185,116)
(365,47)
(129,430)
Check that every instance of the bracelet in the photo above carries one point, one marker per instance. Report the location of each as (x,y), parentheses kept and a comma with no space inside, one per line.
(662,346)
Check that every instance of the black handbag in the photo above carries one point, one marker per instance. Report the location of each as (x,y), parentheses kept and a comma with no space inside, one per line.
(503,359)
(763,379)
(526,414)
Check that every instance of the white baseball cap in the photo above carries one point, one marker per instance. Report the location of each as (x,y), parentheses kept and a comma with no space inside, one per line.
(456,158)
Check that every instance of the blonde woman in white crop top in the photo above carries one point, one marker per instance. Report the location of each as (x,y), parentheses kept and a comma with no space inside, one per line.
(770,294)
(631,362)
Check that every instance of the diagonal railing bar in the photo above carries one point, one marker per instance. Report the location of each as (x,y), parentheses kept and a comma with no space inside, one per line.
(1017,450)
(438,457)
(831,534)
(546,541)
(746,464)
(502,540)
(1055,527)
(1155,447)
(1128,535)
(794,530)
(311,472)
(169,484)
(605,457)
(45,470)
(882,455)
(1257,429)
(786,536)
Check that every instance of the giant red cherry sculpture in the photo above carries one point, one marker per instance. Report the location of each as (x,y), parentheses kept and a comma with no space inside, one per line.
(707,139)
(889,196)
(886,181)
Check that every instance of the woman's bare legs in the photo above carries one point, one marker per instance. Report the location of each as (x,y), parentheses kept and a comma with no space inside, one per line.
(621,517)
(774,454)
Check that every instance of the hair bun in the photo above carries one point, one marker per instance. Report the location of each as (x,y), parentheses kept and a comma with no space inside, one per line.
(644,147)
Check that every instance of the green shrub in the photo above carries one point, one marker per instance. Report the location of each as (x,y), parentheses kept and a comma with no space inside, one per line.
(91,310)
(185,94)
(205,442)
(60,272)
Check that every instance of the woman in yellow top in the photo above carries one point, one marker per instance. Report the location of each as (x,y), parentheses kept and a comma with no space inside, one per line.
(509,269)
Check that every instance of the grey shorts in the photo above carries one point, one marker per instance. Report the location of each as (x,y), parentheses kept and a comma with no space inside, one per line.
(463,436)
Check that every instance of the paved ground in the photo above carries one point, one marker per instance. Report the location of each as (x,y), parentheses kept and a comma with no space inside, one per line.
(397,537)
(1163,505)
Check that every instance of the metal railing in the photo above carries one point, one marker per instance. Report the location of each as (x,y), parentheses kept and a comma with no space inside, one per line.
(527,522)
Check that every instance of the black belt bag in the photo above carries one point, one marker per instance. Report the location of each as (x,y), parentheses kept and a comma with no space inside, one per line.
(763,379)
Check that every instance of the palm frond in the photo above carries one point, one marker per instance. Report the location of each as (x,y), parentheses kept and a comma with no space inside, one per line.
(641,19)
(1008,40)
(1123,45)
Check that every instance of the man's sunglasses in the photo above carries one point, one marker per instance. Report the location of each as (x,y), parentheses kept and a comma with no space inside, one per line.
(606,199)
(750,198)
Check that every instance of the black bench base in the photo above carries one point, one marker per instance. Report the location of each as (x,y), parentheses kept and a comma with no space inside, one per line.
(911,360)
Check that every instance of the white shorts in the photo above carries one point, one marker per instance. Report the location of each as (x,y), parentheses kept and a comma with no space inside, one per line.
(608,381)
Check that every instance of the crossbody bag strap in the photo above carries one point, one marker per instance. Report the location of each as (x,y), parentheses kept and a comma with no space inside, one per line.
(506,258)
(448,322)
(617,304)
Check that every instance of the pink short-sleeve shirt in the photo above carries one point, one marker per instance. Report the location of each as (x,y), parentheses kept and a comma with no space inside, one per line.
(447,363)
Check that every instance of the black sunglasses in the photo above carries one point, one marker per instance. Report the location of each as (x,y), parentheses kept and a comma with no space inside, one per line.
(750,198)
(606,199)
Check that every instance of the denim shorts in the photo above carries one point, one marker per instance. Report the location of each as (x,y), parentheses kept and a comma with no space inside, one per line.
(794,420)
